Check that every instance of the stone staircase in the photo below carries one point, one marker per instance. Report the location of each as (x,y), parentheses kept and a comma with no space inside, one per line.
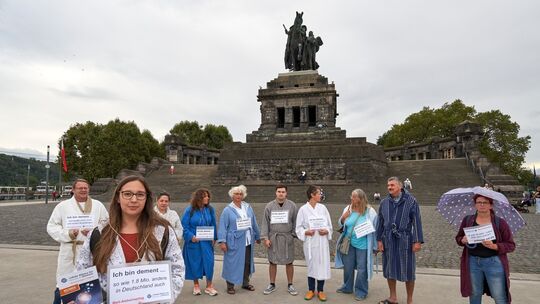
(185,180)
(431,178)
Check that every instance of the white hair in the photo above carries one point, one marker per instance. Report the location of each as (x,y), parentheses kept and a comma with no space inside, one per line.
(242,189)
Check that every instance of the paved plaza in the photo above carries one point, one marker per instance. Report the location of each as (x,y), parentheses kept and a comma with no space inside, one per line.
(28,258)
(25,224)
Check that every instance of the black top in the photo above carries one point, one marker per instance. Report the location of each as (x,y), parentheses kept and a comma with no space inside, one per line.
(480,250)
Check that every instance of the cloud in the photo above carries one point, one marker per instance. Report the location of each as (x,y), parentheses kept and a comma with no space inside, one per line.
(158,63)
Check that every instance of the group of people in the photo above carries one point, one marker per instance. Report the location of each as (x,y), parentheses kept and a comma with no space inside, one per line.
(136,230)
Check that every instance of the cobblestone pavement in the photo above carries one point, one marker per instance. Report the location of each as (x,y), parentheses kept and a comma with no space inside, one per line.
(26,224)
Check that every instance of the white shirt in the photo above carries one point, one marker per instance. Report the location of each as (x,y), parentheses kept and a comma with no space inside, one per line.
(242,211)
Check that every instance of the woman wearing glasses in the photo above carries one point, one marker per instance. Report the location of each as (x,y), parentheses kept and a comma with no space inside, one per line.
(162,208)
(200,234)
(134,233)
(484,266)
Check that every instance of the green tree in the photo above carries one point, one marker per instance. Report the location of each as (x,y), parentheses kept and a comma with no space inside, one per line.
(194,134)
(427,123)
(189,131)
(154,149)
(94,150)
(216,136)
(501,143)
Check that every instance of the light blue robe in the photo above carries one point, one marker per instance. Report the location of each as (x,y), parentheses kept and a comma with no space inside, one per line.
(371,242)
(199,256)
(233,259)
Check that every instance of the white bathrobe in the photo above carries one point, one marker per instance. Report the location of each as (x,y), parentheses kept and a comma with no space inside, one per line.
(55,228)
(316,247)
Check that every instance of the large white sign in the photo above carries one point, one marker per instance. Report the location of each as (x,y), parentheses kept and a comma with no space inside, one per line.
(205,233)
(279,217)
(243,224)
(478,234)
(317,223)
(79,221)
(364,229)
(140,283)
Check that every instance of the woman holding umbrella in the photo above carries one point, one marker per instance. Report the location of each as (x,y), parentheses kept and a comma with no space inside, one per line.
(485,261)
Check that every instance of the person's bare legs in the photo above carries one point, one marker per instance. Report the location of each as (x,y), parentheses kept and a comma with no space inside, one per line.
(392,287)
(272,270)
(409,285)
(289,269)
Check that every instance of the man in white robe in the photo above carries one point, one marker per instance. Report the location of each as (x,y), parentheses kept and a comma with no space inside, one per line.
(71,239)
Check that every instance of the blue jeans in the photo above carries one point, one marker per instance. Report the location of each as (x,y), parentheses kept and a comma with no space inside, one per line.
(57,299)
(493,271)
(356,259)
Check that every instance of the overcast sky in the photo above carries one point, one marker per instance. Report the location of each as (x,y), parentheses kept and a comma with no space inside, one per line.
(161,62)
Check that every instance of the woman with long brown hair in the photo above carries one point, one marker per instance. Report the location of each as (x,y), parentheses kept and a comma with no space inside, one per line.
(199,253)
(134,233)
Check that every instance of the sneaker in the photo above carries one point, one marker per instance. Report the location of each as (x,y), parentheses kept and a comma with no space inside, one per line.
(309,295)
(196,290)
(341,290)
(271,288)
(211,291)
(322,296)
(357,298)
(292,290)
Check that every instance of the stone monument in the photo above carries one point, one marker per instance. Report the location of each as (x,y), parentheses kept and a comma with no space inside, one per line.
(298,133)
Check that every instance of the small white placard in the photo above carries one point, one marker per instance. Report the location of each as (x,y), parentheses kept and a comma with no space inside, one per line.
(279,217)
(478,234)
(79,221)
(243,224)
(140,283)
(364,229)
(317,223)
(205,233)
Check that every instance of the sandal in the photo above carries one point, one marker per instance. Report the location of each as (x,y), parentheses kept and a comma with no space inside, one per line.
(249,287)
(386,301)
(230,290)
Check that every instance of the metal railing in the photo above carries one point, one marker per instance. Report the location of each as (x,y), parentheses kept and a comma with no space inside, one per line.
(475,168)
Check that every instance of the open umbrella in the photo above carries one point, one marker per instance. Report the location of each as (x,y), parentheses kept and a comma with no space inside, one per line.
(455,204)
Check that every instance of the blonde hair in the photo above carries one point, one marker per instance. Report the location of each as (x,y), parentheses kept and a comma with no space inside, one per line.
(364,203)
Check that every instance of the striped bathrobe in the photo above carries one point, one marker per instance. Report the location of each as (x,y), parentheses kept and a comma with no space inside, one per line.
(399,226)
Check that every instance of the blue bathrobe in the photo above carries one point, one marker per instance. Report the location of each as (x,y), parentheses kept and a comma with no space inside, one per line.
(233,259)
(199,256)
(399,226)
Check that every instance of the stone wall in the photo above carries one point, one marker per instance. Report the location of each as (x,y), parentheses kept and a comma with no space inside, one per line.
(338,161)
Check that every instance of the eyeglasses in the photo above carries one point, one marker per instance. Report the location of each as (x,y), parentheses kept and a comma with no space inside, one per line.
(140,196)
(482,203)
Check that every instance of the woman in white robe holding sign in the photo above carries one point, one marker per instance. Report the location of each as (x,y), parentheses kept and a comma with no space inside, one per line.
(314,228)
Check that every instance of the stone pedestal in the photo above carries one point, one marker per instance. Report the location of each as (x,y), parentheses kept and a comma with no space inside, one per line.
(297,106)
(298,133)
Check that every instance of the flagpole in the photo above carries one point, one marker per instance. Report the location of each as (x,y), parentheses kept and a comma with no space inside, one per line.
(60,191)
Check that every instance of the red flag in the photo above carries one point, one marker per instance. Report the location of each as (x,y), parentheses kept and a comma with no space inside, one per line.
(63,153)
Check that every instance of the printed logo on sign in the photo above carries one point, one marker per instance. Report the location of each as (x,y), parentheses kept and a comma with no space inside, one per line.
(149,296)
(64,280)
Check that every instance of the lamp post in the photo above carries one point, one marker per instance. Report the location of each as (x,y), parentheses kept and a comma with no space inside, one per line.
(27,183)
(47,167)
